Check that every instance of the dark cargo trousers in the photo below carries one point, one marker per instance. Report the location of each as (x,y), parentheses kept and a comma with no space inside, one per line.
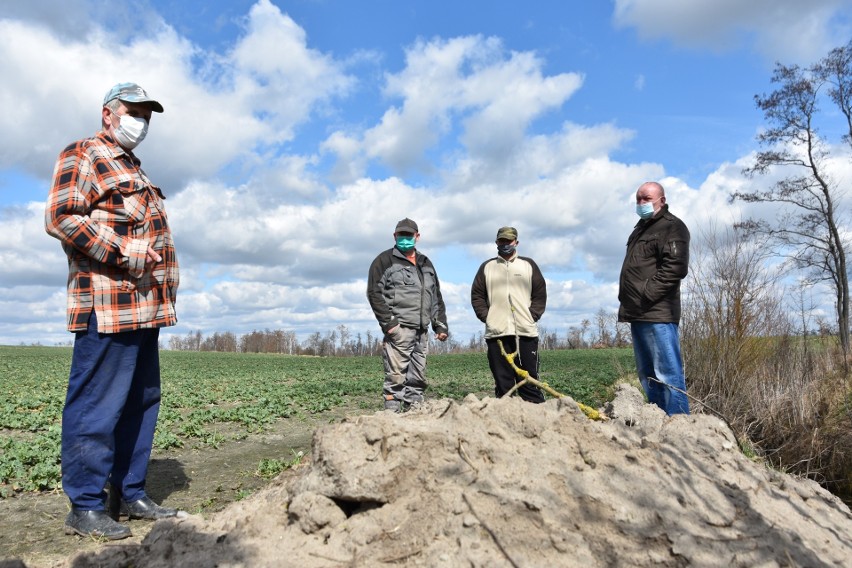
(505,377)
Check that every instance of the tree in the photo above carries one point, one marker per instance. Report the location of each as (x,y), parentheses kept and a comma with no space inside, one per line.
(602,321)
(343,335)
(223,342)
(806,232)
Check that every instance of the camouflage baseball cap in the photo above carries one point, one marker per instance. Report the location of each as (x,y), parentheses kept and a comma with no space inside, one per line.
(132,93)
(508,233)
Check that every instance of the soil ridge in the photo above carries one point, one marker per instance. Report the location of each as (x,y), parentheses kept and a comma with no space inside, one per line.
(501,482)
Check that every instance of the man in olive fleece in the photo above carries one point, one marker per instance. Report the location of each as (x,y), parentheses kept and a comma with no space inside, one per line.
(509,295)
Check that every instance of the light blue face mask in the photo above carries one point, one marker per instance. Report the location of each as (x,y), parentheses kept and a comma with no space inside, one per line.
(645,210)
(405,244)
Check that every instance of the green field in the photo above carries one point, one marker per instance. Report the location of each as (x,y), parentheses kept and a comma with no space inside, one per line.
(210,398)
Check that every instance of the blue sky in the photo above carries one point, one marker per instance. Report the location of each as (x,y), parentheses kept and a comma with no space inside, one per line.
(297,133)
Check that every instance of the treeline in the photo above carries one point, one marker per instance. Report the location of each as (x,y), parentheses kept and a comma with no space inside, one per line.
(603,331)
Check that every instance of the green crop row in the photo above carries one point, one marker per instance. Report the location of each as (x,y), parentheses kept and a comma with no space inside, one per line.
(209,398)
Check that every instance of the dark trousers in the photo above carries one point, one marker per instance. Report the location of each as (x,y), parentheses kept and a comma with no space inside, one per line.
(110,414)
(504,376)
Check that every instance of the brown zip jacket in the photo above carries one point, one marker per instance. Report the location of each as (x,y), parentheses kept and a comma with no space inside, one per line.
(657,260)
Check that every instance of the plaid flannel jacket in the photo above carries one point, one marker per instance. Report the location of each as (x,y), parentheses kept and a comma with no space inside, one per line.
(105,211)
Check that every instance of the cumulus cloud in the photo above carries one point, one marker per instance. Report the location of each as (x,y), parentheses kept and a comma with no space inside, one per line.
(470,87)
(782,30)
(27,254)
(275,234)
(220,108)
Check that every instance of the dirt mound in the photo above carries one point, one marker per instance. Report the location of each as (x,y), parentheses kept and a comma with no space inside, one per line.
(507,483)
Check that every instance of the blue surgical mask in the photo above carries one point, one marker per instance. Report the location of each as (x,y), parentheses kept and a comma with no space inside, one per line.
(645,210)
(405,244)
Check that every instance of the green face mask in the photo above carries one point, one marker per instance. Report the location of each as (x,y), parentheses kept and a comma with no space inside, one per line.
(405,244)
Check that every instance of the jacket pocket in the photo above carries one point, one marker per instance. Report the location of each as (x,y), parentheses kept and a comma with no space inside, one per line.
(401,278)
(632,297)
(134,200)
(646,248)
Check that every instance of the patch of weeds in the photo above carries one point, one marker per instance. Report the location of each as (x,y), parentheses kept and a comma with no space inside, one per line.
(206,504)
(214,439)
(242,493)
(748,449)
(163,440)
(269,468)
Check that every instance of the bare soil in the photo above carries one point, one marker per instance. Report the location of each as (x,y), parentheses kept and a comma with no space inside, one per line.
(199,481)
(482,483)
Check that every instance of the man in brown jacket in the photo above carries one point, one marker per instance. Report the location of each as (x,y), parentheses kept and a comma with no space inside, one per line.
(657,260)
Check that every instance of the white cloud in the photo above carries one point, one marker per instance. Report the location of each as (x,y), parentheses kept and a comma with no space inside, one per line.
(274,72)
(467,84)
(28,255)
(66,18)
(219,108)
(271,234)
(792,31)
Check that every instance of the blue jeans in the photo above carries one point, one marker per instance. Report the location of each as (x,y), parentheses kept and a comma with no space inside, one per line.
(110,414)
(656,347)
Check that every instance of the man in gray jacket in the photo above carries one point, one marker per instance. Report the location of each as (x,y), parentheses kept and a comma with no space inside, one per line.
(405,294)
(509,295)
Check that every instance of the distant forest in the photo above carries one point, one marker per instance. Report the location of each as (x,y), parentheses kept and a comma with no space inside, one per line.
(604,331)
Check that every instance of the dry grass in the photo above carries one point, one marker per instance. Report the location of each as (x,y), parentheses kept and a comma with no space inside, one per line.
(788,399)
(786,394)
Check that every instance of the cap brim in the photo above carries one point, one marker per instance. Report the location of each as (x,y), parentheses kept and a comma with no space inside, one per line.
(150,103)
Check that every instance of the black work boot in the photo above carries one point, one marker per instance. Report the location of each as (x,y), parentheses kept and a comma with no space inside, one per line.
(144,508)
(96,524)
(113,501)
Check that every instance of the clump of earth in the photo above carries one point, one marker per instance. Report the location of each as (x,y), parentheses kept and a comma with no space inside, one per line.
(501,482)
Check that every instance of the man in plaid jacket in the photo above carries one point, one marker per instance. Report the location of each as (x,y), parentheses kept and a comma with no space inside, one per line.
(122,283)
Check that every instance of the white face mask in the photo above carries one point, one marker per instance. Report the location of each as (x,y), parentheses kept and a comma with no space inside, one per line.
(131,130)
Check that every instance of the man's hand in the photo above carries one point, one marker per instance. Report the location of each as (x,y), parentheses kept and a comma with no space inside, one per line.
(152,258)
(441,336)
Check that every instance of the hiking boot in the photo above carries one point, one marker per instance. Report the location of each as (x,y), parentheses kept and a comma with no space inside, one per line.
(144,508)
(97,524)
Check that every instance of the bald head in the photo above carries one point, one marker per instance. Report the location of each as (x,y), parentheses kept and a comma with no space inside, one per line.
(653,193)
(655,189)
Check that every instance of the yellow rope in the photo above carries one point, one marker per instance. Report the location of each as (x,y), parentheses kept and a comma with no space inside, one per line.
(526,378)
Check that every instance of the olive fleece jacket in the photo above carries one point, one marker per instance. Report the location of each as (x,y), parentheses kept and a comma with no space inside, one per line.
(509,296)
